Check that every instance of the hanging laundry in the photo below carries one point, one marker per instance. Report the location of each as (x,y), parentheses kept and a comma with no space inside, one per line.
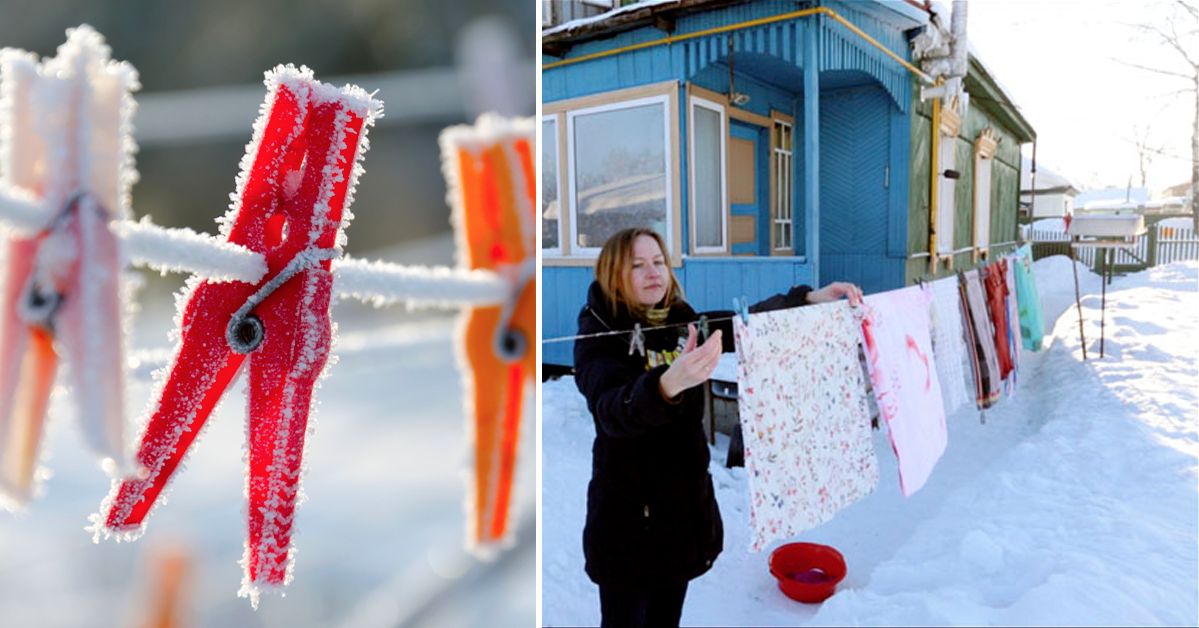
(949,347)
(903,373)
(980,340)
(492,181)
(66,153)
(804,418)
(291,206)
(1032,325)
(1013,328)
(996,294)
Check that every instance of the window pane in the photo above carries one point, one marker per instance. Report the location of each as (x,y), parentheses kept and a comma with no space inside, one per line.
(945,195)
(549,185)
(982,183)
(708,204)
(620,172)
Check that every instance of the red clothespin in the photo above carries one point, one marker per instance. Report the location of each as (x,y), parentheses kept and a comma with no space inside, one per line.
(291,204)
(490,172)
(67,157)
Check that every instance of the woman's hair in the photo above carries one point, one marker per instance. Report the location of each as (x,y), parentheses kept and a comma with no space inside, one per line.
(615,260)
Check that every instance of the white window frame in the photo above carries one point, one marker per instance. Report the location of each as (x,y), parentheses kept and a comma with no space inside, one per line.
(664,100)
(946,194)
(986,147)
(982,202)
(782,162)
(552,142)
(696,101)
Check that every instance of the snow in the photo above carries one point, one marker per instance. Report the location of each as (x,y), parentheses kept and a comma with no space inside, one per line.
(1076,503)
(383,518)
(574,24)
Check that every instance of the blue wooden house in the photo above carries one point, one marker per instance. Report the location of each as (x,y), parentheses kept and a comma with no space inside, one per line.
(772,143)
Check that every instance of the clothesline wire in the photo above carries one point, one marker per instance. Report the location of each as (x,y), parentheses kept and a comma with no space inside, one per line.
(620,332)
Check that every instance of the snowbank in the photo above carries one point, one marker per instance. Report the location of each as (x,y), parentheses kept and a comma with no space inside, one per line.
(1075,503)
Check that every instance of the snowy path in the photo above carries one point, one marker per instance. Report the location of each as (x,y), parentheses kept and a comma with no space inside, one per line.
(1075,503)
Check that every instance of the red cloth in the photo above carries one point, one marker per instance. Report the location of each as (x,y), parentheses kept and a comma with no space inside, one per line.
(996,284)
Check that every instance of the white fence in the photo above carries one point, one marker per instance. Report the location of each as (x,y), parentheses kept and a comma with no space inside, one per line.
(1172,240)
(1176,243)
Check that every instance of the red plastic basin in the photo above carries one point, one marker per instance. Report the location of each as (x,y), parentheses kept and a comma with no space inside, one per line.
(807,572)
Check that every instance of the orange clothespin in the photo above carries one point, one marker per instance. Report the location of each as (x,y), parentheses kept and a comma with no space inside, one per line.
(490,173)
(66,158)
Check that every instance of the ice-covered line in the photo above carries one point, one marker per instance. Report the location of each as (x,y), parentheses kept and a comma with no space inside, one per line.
(184,250)
(22,212)
(382,283)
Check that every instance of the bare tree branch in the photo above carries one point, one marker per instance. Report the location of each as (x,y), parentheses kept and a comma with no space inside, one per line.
(1193,10)
(1149,69)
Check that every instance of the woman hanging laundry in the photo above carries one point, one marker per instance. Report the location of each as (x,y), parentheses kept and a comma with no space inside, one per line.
(652,520)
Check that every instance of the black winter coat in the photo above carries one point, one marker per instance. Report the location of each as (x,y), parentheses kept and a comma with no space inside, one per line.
(652,516)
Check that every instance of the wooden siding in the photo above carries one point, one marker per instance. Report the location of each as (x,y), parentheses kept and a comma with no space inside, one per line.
(855,213)
(840,50)
(563,293)
(1004,189)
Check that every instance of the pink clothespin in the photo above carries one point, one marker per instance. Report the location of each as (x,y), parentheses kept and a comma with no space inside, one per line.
(66,167)
(291,206)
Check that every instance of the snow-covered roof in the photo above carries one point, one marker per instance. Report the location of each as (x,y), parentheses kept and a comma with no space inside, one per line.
(1046,179)
(899,12)
(576,24)
(1115,194)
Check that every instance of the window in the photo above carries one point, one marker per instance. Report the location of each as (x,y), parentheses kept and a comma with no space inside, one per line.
(951,124)
(782,231)
(550,204)
(982,201)
(984,156)
(619,161)
(946,160)
(709,199)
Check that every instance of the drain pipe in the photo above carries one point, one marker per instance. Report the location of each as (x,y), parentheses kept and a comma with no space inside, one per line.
(952,71)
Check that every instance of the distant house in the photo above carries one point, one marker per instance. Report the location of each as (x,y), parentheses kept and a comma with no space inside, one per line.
(1110,197)
(771,144)
(1055,195)
(1174,191)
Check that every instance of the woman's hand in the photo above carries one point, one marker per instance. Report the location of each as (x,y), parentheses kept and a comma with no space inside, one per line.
(835,291)
(693,366)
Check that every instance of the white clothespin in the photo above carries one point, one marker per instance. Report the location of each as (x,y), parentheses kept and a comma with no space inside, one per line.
(637,342)
(66,158)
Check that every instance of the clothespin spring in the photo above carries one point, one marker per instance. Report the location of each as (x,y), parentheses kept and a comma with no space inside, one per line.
(39,303)
(246,331)
(510,343)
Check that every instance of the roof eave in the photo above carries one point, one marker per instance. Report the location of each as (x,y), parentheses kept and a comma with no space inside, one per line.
(1000,104)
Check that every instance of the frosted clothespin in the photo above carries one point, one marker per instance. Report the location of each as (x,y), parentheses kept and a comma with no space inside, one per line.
(490,173)
(66,167)
(637,340)
(291,206)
